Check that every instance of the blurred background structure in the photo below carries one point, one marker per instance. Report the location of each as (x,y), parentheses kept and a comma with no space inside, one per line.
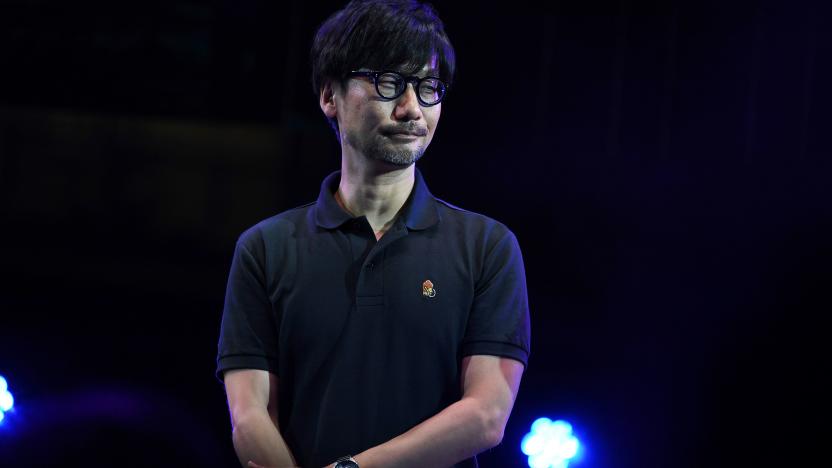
(665,166)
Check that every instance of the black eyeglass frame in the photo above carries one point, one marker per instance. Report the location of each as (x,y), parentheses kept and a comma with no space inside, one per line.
(417,82)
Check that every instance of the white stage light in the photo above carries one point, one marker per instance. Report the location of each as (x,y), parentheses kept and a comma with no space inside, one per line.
(550,444)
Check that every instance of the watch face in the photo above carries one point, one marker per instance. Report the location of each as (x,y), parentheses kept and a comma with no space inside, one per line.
(346,464)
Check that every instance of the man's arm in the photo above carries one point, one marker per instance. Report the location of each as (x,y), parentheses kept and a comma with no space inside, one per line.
(471,425)
(252,400)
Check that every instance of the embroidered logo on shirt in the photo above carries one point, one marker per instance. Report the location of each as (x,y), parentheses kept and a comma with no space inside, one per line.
(427,289)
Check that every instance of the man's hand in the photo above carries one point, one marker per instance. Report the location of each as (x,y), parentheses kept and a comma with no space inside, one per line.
(251,464)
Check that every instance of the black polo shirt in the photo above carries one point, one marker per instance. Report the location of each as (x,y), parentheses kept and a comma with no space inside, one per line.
(366,337)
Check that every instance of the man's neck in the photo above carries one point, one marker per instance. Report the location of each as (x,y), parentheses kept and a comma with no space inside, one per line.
(374,190)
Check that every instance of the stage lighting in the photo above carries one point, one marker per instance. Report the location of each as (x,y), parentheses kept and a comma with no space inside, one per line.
(6,401)
(6,398)
(550,444)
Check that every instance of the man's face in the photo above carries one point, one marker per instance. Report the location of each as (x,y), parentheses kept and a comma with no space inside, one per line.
(395,131)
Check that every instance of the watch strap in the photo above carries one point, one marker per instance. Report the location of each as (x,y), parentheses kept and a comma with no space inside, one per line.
(346,461)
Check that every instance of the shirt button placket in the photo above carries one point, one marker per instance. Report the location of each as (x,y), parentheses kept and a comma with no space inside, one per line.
(370,281)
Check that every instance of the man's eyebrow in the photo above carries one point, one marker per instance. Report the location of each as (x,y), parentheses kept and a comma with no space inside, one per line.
(432,72)
(429,72)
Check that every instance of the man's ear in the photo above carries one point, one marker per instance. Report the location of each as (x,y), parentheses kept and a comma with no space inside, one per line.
(327,100)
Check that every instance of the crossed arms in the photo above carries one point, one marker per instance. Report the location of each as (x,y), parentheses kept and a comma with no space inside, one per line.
(465,428)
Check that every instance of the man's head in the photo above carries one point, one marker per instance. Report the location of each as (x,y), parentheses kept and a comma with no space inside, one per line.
(406,37)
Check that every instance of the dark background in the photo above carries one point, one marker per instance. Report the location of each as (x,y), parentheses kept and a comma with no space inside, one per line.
(664,165)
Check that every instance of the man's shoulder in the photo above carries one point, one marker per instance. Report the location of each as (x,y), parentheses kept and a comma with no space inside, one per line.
(471,222)
(453,213)
(278,227)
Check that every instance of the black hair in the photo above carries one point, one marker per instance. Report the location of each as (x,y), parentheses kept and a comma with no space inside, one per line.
(400,35)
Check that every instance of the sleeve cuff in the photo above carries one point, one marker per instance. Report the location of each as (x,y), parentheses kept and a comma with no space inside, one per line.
(244,361)
(496,348)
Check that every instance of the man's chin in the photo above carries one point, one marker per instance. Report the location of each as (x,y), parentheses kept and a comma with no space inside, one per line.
(398,157)
(395,155)
(401,160)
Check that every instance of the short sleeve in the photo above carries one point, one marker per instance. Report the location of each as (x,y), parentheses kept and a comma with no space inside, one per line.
(248,333)
(498,324)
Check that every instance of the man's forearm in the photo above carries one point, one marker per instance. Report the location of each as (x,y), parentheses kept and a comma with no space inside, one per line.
(460,431)
(257,439)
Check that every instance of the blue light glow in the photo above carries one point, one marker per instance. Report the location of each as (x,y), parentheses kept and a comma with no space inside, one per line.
(6,398)
(6,401)
(550,444)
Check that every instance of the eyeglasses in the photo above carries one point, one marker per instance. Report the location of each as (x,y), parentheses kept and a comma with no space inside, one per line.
(390,85)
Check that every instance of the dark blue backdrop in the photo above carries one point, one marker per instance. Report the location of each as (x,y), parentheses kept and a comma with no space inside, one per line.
(665,166)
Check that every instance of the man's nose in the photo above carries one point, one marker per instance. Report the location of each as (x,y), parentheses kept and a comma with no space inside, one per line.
(407,105)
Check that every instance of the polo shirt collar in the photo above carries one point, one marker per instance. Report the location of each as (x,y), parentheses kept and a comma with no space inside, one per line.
(419,211)
(328,213)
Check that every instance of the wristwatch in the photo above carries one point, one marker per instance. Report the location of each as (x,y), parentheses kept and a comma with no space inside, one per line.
(346,462)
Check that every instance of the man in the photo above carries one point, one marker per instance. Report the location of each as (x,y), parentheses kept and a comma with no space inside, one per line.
(378,326)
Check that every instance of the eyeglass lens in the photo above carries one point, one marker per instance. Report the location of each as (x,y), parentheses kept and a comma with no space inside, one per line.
(392,85)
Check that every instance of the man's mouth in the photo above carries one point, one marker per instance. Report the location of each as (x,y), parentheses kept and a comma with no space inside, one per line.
(407,133)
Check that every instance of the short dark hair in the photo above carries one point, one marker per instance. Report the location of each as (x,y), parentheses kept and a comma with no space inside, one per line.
(400,35)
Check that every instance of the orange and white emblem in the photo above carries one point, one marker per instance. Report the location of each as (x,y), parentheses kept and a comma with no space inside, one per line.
(427,289)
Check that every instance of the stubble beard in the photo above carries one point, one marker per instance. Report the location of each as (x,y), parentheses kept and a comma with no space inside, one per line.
(380,148)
